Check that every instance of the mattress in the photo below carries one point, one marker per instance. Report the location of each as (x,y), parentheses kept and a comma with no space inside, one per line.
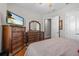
(54,47)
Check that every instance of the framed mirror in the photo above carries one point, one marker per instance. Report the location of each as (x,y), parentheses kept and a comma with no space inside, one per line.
(34,26)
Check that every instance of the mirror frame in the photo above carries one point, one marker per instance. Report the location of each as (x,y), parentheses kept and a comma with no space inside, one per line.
(35,22)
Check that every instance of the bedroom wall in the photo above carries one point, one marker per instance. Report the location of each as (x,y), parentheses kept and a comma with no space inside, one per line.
(2,20)
(26,14)
(70,15)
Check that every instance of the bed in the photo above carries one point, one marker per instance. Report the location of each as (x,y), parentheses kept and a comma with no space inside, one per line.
(54,47)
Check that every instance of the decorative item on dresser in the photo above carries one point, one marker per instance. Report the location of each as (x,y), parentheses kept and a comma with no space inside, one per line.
(13,39)
(35,34)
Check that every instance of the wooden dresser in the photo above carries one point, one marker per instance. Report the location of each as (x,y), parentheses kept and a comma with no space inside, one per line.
(13,39)
(34,36)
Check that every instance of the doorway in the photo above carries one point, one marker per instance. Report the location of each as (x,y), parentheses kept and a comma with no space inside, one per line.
(47,28)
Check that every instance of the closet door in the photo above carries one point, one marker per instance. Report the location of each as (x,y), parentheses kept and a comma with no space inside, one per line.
(47,28)
(55,27)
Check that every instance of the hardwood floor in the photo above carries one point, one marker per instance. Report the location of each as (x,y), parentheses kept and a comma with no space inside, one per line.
(21,53)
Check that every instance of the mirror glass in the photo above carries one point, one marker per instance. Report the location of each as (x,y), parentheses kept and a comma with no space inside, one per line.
(34,26)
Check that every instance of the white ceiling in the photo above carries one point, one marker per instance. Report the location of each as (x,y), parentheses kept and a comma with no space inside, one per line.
(40,8)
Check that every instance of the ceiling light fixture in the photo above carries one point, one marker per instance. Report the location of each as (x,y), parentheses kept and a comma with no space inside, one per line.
(48,4)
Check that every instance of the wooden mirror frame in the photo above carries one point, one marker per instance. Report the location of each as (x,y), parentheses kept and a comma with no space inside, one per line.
(33,22)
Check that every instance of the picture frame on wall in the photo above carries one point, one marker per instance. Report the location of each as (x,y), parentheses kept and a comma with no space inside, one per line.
(60,24)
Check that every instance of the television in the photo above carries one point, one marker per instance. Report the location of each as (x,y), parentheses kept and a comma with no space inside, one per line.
(14,19)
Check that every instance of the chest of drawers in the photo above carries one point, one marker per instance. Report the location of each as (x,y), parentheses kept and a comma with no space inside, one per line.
(13,39)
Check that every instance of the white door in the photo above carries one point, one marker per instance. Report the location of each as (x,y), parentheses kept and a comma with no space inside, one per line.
(55,27)
(47,28)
